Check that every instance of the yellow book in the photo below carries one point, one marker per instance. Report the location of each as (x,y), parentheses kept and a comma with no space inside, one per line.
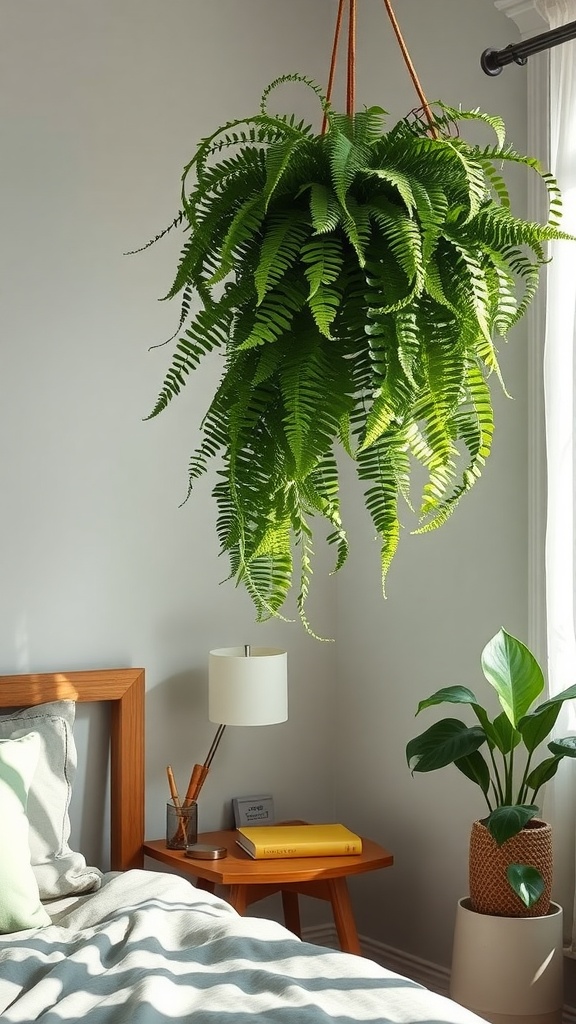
(268,841)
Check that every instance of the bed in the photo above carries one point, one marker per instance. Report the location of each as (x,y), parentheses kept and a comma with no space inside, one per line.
(135,945)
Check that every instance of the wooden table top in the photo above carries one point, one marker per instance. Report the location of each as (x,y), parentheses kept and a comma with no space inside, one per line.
(238,868)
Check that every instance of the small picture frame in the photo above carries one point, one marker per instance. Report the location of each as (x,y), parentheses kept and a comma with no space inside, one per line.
(253,810)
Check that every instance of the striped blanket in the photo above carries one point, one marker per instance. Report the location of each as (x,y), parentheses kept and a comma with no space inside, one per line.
(150,948)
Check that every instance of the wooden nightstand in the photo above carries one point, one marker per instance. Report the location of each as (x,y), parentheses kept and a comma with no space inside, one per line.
(246,880)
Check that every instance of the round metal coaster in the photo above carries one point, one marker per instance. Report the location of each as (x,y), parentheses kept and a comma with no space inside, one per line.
(203,851)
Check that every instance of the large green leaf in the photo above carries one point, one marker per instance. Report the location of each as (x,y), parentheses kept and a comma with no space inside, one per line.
(448,695)
(443,743)
(542,773)
(565,747)
(556,701)
(508,820)
(460,695)
(527,883)
(537,725)
(474,767)
(505,736)
(514,673)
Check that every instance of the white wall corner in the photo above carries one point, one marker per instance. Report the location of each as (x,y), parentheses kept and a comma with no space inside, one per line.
(526,13)
(530,18)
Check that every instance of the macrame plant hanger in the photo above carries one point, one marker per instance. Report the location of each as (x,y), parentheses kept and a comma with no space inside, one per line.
(351,61)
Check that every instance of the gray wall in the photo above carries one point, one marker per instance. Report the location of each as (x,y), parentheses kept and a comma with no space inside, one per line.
(102,104)
(448,591)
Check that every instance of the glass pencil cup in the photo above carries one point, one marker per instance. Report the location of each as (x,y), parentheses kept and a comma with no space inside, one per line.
(181,825)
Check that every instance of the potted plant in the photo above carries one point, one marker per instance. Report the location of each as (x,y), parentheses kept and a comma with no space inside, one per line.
(511,848)
(507,957)
(352,281)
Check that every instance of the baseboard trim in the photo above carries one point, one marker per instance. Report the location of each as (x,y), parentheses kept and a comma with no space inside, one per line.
(430,975)
(422,971)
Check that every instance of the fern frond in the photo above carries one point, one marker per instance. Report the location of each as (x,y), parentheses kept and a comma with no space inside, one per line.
(185,304)
(323,260)
(278,159)
(474,423)
(400,182)
(325,209)
(298,78)
(245,225)
(200,255)
(161,234)
(207,332)
(384,464)
(403,237)
(453,115)
(346,159)
(315,389)
(321,493)
(282,241)
(273,317)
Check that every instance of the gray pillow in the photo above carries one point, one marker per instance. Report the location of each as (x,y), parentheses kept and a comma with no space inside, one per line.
(59,870)
(20,905)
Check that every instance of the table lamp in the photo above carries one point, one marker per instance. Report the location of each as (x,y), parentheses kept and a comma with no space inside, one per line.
(246,686)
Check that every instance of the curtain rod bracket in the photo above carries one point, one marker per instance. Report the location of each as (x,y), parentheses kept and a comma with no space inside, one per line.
(492,61)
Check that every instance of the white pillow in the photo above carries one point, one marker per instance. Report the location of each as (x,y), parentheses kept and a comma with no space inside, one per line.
(59,870)
(20,905)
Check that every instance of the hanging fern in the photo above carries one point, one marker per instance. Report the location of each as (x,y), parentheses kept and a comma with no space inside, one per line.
(354,282)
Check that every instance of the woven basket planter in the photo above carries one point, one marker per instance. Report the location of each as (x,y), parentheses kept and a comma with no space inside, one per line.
(490,891)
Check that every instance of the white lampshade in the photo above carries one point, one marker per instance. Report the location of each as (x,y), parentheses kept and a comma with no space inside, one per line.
(247,690)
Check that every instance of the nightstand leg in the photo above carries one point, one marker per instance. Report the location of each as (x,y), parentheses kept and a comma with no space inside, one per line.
(291,912)
(343,915)
(238,897)
(203,883)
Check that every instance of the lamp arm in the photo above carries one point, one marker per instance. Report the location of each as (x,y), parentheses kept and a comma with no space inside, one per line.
(492,61)
(200,771)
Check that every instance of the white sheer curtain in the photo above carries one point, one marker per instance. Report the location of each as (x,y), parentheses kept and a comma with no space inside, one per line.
(560,406)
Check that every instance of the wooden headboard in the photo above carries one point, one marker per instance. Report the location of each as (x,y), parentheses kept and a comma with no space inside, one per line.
(123,688)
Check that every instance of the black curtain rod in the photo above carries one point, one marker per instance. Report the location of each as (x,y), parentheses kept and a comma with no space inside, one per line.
(492,61)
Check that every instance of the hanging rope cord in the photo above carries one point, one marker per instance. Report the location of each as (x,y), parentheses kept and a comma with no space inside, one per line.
(351,61)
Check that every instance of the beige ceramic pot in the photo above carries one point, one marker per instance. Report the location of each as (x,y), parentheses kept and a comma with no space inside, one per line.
(509,970)
(490,891)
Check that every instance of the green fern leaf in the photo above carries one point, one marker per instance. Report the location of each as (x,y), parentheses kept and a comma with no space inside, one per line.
(273,318)
(278,160)
(403,236)
(399,181)
(281,245)
(325,209)
(493,120)
(323,259)
(311,422)
(245,225)
(324,304)
(346,160)
(206,333)
(474,423)
(384,464)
